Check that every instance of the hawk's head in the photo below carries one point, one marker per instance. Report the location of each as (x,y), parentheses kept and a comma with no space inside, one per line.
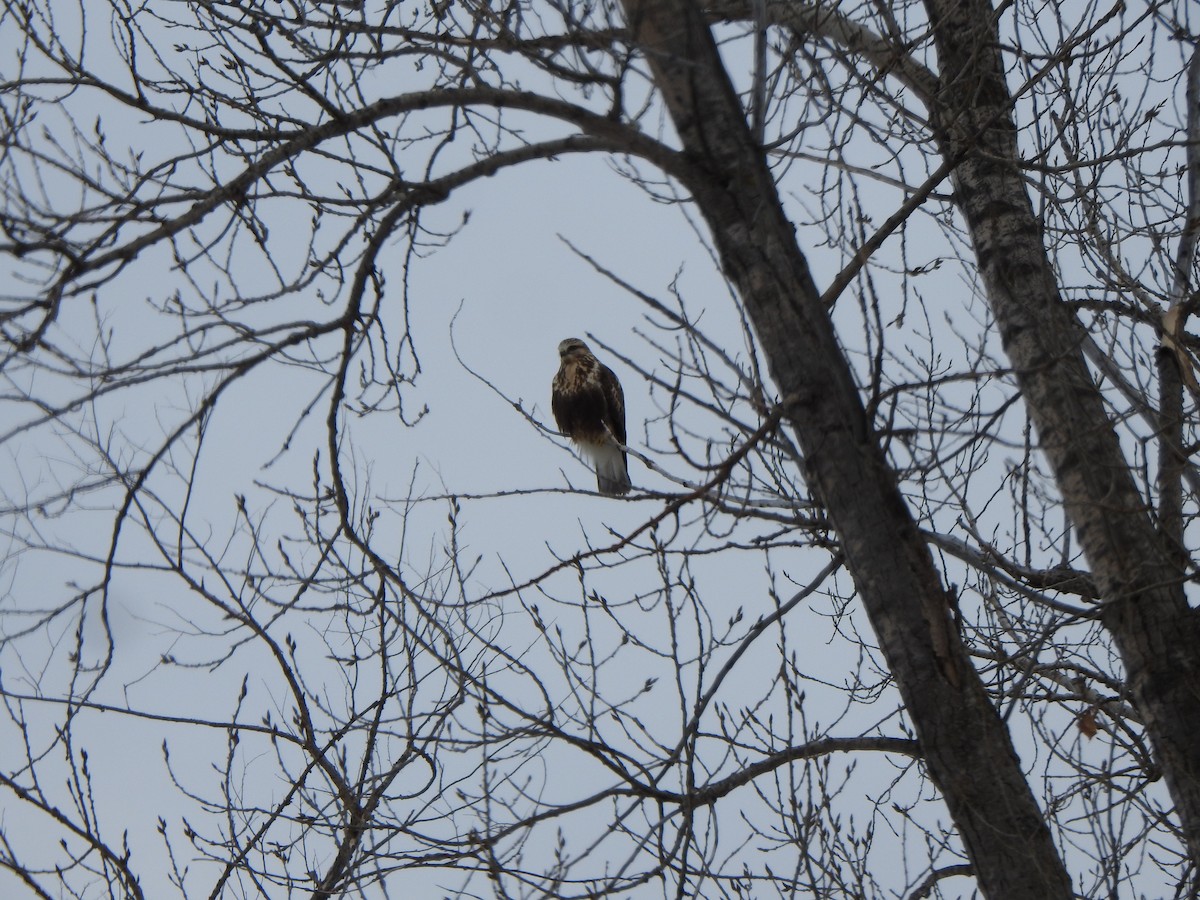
(572,347)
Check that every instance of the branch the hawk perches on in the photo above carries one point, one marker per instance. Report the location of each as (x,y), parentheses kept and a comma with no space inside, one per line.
(589,406)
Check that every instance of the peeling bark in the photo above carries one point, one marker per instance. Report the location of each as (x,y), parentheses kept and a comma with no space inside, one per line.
(966,747)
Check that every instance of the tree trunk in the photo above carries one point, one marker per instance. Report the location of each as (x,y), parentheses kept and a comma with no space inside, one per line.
(1136,568)
(966,747)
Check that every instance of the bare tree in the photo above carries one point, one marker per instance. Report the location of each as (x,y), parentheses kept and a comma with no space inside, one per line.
(902,604)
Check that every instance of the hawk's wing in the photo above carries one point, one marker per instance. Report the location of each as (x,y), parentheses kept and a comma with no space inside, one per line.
(614,403)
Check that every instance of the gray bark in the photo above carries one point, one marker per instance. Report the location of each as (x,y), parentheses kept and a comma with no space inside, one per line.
(1136,566)
(966,748)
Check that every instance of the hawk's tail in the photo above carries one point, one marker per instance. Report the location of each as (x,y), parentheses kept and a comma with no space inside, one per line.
(612,472)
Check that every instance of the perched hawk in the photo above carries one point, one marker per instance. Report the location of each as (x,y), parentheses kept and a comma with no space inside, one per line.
(589,407)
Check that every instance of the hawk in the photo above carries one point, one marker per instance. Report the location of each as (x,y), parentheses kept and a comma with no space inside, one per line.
(589,407)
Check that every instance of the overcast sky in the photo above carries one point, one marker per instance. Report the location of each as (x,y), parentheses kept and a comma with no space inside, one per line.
(502,294)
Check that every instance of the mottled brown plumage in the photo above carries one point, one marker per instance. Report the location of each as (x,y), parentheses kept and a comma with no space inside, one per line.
(589,406)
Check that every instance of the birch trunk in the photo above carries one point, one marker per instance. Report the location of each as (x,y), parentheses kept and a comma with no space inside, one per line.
(1136,566)
(966,747)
